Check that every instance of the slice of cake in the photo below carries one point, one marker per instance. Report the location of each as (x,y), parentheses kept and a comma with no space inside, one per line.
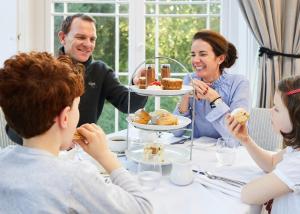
(153,152)
(142,83)
(171,83)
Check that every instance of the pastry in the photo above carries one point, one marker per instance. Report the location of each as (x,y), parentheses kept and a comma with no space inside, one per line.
(153,152)
(77,136)
(142,83)
(156,114)
(165,71)
(141,116)
(171,83)
(241,115)
(167,119)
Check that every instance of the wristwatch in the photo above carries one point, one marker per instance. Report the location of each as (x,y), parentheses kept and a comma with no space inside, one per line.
(216,102)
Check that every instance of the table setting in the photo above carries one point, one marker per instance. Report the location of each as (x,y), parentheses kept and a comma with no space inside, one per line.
(205,184)
(204,181)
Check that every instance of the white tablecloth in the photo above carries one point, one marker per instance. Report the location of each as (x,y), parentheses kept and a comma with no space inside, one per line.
(196,198)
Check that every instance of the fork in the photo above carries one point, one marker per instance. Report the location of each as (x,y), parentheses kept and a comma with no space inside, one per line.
(215,177)
(181,141)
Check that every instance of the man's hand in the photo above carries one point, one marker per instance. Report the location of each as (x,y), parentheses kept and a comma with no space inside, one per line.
(141,72)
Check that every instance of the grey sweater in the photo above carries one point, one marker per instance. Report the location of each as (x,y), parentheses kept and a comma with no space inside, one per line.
(35,181)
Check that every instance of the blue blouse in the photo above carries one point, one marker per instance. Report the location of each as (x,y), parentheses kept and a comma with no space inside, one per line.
(234,91)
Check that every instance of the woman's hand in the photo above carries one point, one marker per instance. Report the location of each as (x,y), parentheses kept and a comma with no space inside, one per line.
(96,146)
(238,130)
(204,91)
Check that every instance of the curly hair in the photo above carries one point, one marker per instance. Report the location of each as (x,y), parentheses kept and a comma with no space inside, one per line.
(35,88)
(292,103)
(219,45)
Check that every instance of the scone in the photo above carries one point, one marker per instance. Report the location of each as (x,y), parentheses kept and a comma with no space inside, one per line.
(156,114)
(167,119)
(241,115)
(141,116)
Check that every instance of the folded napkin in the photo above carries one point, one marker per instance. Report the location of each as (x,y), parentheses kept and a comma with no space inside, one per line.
(240,173)
(221,186)
(204,142)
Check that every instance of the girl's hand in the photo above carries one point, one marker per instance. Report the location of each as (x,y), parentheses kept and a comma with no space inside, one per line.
(238,130)
(204,91)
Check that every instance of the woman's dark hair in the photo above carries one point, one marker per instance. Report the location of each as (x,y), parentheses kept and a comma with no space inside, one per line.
(219,45)
(292,103)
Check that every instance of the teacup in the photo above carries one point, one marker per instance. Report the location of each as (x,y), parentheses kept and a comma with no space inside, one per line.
(117,143)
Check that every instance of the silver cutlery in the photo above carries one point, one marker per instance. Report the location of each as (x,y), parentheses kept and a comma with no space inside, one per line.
(181,141)
(215,177)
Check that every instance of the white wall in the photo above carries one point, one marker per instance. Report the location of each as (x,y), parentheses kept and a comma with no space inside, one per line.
(32,25)
(23,27)
(8,35)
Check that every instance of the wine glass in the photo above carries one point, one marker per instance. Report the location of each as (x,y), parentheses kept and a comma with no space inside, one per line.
(149,172)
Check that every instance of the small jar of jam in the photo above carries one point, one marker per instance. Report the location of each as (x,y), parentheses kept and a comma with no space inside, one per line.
(165,71)
(150,74)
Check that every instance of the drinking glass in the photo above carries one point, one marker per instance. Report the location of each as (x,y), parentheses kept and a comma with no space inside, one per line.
(149,173)
(226,150)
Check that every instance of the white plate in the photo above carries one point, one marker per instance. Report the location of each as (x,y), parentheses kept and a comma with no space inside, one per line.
(171,153)
(159,92)
(182,122)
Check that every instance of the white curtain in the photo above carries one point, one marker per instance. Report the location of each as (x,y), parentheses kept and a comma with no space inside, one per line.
(276,26)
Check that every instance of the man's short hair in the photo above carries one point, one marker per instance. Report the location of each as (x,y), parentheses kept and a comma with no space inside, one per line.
(66,24)
(35,88)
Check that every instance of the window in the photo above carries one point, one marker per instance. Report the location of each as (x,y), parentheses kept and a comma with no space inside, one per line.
(130,31)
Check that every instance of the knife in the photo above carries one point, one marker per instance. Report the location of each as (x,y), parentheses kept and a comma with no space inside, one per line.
(215,177)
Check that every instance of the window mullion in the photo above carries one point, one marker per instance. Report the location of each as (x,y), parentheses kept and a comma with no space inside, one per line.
(117,49)
(157,99)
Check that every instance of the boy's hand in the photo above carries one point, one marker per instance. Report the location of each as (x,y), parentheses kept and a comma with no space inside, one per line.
(96,146)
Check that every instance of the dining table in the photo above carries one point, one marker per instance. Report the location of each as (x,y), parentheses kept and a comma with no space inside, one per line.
(203,195)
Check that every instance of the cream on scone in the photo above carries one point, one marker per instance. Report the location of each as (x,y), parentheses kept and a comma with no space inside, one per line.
(241,115)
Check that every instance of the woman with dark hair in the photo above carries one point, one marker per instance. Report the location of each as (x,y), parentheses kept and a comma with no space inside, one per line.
(282,181)
(216,91)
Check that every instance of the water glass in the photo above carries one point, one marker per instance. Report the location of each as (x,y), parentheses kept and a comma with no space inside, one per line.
(226,150)
(182,173)
(149,173)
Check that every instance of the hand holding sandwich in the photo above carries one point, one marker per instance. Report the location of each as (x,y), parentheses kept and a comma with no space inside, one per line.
(94,142)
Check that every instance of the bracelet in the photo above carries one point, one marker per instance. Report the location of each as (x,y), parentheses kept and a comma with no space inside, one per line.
(213,104)
(179,109)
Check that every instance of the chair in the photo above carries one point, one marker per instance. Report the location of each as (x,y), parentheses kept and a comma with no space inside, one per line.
(4,140)
(261,130)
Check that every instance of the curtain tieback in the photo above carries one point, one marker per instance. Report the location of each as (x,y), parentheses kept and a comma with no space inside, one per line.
(270,53)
